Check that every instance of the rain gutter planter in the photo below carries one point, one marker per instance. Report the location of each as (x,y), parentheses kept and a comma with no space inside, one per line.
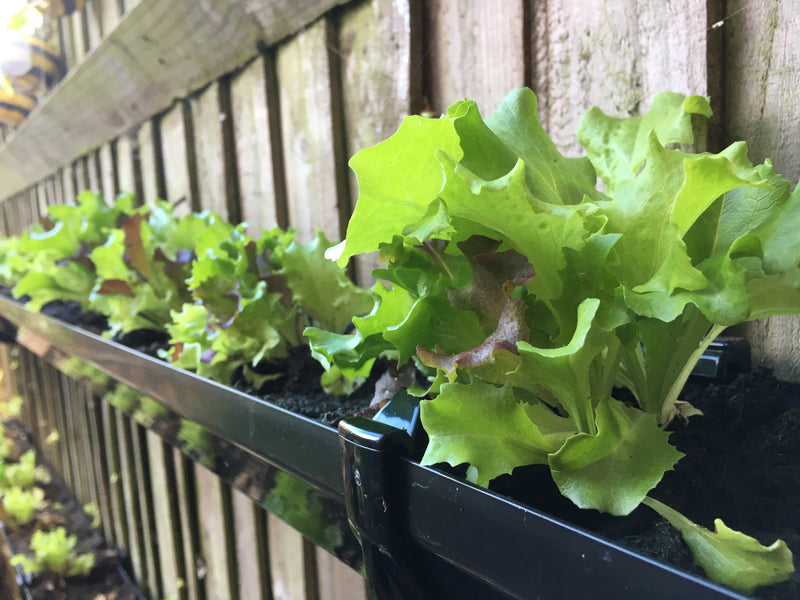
(420,528)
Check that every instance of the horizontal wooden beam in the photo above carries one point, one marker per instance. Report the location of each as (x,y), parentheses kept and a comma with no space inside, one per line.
(160,51)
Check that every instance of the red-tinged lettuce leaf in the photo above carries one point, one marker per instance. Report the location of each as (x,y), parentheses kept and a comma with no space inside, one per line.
(485,426)
(511,329)
(613,470)
(617,146)
(729,556)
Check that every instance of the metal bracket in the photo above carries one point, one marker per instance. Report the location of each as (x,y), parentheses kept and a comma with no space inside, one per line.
(374,499)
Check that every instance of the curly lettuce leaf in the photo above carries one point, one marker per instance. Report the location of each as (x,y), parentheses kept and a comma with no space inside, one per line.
(729,556)
(488,428)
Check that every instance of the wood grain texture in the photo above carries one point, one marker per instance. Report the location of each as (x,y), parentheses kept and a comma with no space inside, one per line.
(251,544)
(379,82)
(254,152)
(108,171)
(126,176)
(213,507)
(107,14)
(292,563)
(763,62)
(93,13)
(337,581)
(208,150)
(615,55)
(476,50)
(167,527)
(146,141)
(175,160)
(313,177)
(190,535)
(159,51)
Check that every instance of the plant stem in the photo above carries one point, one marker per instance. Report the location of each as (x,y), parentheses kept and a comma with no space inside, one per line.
(667,408)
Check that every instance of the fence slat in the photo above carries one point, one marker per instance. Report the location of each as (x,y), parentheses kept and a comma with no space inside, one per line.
(176,164)
(307,125)
(616,55)
(254,154)
(190,536)
(337,581)
(380,83)
(251,548)
(167,524)
(476,51)
(209,152)
(147,162)
(292,563)
(763,61)
(213,501)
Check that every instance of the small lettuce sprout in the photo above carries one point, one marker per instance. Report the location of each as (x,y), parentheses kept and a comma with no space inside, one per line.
(54,551)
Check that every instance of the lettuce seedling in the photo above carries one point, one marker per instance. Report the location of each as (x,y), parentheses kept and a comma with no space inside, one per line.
(21,505)
(253,298)
(529,295)
(54,551)
(25,473)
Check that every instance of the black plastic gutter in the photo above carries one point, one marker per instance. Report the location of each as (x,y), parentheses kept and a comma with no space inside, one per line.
(423,533)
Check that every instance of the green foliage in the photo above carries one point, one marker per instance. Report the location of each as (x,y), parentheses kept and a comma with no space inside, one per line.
(54,551)
(21,504)
(530,294)
(24,474)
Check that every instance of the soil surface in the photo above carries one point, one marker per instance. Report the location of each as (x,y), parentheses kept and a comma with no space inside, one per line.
(106,581)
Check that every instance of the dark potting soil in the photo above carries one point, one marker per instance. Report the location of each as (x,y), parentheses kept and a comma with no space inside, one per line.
(106,580)
(741,465)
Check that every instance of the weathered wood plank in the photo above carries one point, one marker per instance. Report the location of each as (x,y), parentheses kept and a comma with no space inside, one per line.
(93,14)
(214,510)
(251,548)
(147,141)
(108,15)
(381,81)
(144,500)
(117,530)
(77,22)
(125,165)
(175,161)
(337,581)
(167,526)
(477,51)
(160,51)
(616,55)
(314,178)
(108,171)
(292,563)
(254,147)
(190,530)
(131,512)
(763,61)
(208,150)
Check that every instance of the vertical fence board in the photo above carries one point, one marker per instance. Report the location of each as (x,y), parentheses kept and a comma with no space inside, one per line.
(379,82)
(292,563)
(108,169)
(209,153)
(107,12)
(119,524)
(167,526)
(476,51)
(186,498)
(94,27)
(251,548)
(147,161)
(764,109)
(213,499)
(130,505)
(616,55)
(254,153)
(125,164)
(176,164)
(337,581)
(307,126)
(140,460)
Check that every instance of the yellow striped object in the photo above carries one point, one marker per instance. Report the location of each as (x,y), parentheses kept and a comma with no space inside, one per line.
(15,107)
(60,8)
(30,62)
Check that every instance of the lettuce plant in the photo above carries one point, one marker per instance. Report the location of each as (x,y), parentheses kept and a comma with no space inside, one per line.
(253,298)
(21,505)
(530,296)
(54,551)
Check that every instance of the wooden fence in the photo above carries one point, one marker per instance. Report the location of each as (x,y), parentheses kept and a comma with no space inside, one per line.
(250,108)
